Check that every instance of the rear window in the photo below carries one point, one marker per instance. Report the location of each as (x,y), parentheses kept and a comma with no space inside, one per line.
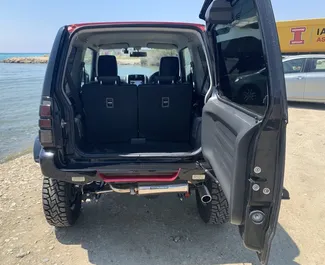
(317,65)
(138,65)
(243,76)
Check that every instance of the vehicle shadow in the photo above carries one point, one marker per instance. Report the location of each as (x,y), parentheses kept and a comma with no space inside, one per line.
(121,230)
(305,105)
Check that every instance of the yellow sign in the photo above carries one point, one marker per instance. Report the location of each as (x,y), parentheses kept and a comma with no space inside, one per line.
(302,36)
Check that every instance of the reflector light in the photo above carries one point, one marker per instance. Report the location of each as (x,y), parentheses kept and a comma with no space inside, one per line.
(45,136)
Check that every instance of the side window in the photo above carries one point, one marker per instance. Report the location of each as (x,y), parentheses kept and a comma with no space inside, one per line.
(317,65)
(294,66)
(186,62)
(205,80)
(87,67)
(241,66)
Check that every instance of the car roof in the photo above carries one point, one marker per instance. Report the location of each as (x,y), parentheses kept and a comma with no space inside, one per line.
(290,57)
(73,27)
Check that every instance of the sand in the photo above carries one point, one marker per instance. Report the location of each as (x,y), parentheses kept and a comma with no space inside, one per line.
(131,230)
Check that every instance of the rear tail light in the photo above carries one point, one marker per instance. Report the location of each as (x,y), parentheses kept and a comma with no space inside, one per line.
(45,123)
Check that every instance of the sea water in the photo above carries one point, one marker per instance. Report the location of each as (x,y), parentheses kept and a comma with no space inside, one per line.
(20,94)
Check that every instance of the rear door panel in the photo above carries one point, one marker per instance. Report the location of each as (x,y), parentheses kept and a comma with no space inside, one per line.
(225,140)
(295,81)
(295,85)
(245,144)
(315,80)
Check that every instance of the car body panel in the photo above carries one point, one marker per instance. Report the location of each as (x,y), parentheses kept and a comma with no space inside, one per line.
(246,149)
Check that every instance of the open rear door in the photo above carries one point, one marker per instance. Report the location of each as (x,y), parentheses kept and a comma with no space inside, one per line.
(245,142)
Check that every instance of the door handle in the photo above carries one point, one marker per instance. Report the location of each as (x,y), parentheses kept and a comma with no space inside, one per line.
(300,77)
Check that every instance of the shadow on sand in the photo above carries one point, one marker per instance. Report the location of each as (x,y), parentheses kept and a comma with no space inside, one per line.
(123,230)
(304,105)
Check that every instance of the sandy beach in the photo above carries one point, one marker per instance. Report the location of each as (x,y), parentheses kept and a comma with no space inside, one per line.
(123,230)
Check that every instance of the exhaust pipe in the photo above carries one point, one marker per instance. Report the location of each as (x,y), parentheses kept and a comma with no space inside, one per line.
(164,188)
(153,189)
(204,194)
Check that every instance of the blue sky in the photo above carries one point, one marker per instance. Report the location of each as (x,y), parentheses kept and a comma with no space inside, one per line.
(30,26)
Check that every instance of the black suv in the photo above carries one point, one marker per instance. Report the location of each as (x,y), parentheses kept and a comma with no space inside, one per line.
(177,130)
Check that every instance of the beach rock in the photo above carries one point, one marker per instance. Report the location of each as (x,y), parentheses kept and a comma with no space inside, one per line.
(22,254)
(40,59)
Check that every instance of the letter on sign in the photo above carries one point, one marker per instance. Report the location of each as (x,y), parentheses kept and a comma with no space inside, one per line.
(297,35)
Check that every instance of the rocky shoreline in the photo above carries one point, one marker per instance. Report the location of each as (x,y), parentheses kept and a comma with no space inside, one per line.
(44,59)
(30,60)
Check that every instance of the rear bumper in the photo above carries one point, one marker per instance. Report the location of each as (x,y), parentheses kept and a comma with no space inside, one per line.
(49,169)
(116,170)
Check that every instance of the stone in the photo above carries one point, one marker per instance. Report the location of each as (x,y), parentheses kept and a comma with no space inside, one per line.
(22,254)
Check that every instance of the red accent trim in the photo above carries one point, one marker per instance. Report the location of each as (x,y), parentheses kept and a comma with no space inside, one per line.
(73,27)
(139,178)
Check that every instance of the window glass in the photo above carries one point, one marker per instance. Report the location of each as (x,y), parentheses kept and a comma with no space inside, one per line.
(138,65)
(294,66)
(206,80)
(186,61)
(87,66)
(241,66)
(317,65)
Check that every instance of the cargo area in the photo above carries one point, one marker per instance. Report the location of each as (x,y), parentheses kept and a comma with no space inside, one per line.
(119,112)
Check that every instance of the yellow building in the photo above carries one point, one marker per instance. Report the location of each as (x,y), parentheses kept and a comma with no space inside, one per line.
(302,36)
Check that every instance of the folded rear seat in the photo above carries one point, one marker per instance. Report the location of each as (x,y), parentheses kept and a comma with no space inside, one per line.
(165,106)
(110,107)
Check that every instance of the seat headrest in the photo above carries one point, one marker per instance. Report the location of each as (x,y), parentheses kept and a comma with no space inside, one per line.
(169,66)
(165,80)
(109,80)
(107,65)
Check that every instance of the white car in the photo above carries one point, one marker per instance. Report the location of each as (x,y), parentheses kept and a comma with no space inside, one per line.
(305,78)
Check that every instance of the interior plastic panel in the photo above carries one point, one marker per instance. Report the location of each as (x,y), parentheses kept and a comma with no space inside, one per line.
(226,138)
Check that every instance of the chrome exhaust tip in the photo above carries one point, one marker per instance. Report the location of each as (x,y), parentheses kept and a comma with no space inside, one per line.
(204,194)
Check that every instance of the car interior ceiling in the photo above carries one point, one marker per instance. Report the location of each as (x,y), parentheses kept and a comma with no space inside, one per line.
(163,115)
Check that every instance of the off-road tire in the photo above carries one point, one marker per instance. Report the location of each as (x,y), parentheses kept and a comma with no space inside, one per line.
(217,211)
(61,202)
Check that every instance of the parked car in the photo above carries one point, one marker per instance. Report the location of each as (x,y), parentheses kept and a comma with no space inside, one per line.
(305,77)
(176,131)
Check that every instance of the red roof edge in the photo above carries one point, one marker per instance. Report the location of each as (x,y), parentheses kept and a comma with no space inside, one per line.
(73,27)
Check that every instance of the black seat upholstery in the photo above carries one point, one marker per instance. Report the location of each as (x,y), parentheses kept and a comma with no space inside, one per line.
(110,108)
(165,107)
